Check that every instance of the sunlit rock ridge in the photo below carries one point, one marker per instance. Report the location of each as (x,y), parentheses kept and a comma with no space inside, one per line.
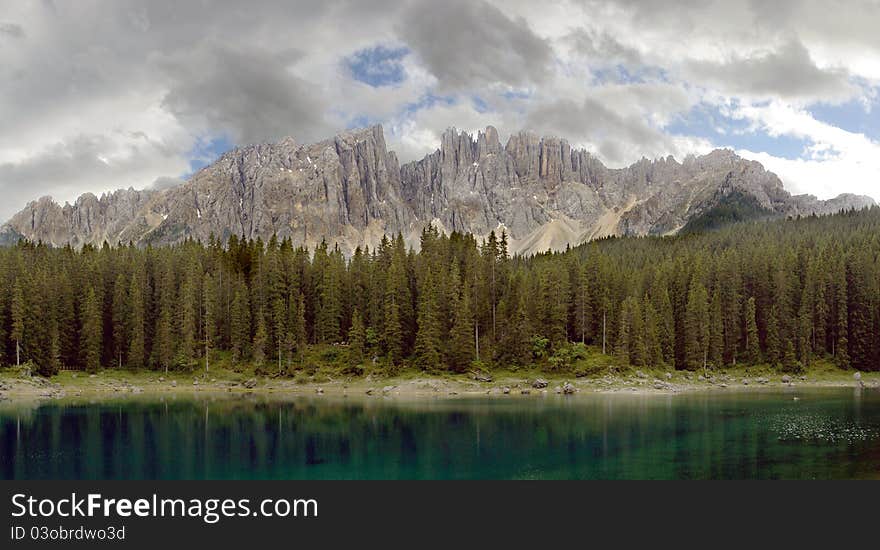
(350,190)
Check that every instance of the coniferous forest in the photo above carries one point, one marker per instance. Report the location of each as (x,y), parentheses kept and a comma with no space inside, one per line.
(783,293)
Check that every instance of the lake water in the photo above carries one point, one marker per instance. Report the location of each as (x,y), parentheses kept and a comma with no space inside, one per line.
(828,433)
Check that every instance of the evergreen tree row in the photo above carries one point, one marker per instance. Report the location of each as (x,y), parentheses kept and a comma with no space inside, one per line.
(783,293)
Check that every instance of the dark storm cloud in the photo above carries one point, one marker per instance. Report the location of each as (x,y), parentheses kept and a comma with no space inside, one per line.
(600,47)
(600,124)
(249,93)
(788,72)
(11,29)
(62,167)
(472,43)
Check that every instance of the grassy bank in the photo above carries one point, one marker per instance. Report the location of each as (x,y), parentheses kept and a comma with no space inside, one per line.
(596,376)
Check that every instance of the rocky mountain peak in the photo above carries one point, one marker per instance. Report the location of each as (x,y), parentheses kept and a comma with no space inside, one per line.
(351,190)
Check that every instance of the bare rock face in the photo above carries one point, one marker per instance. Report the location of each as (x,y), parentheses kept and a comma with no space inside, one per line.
(350,190)
(345,189)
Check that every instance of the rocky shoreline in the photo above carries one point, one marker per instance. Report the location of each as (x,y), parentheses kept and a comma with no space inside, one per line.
(113,383)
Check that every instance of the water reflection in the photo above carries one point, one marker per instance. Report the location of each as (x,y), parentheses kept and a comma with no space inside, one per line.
(823,434)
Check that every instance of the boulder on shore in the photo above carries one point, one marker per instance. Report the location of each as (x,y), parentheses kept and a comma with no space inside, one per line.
(568,388)
(250,383)
(539,383)
(481,376)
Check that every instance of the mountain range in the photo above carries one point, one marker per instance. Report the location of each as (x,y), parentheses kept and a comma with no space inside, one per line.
(351,190)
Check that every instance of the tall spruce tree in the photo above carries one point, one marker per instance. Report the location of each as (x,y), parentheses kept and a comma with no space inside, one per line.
(460,352)
(356,339)
(753,345)
(427,346)
(241,322)
(92,331)
(136,321)
(121,316)
(17,313)
(697,327)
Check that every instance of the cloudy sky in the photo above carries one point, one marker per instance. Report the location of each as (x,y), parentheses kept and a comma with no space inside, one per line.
(100,95)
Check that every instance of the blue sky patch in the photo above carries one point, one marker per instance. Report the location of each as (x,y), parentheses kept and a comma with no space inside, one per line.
(377,66)
(480,104)
(511,95)
(851,116)
(427,101)
(707,122)
(205,151)
(621,74)
(617,74)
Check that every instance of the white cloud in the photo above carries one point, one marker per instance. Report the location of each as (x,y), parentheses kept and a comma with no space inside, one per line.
(836,160)
(139,84)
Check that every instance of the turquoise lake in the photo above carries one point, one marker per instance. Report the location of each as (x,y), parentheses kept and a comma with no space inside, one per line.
(766,434)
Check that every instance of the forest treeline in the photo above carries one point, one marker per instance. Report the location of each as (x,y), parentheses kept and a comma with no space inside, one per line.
(784,293)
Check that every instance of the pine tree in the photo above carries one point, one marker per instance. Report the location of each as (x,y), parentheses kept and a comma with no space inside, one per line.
(395,296)
(716,332)
(209,317)
(666,325)
(653,346)
(279,330)
(137,338)
(554,295)
(92,333)
(54,364)
(859,307)
(18,310)
(582,313)
(261,338)
(638,351)
(356,339)
(187,322)
(697,327)
(753,349)
(515,346)
(789,359)
(393,333)
(820,316)
(624,333)
(841,348)
(329,311)
(67,321)
(241,323)
(163,345)
(804,327)
(775,350)
(120,319)
(298,330)
(460,353)
(427,346)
